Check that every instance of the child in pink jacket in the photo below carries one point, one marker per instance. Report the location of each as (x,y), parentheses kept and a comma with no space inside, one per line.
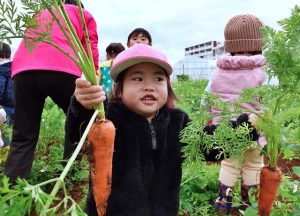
(40,73)
(234,73)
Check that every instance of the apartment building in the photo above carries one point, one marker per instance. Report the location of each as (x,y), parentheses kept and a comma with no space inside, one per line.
(207,50)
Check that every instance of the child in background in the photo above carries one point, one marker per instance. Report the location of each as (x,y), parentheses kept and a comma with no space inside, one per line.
(147,156)
(241,70)
(6,98)
(139,35)
(6,83)
(112,50)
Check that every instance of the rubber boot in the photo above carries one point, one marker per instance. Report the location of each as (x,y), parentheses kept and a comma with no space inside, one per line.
(224,202)
(245,189)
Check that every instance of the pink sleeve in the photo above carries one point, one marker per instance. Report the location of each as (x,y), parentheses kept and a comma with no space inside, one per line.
(93,36)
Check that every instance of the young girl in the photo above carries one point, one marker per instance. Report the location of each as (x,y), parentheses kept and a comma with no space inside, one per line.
(112,50)
(241,70)
(147,156)
(140,35)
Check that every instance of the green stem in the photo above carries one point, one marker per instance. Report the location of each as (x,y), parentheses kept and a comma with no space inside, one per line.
(10,197)
(91,73)
(45,182)
(69,164)
(61,26)
(277,104)
(77,48)
(87,64)
(86,36)
(63,51)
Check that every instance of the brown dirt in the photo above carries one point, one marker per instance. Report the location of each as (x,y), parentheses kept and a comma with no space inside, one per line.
(286,166)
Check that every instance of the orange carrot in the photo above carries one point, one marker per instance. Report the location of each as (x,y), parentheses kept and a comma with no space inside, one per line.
(269,184)
(101,137)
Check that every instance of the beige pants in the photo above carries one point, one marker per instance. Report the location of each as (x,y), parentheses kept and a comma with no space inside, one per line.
(248,169)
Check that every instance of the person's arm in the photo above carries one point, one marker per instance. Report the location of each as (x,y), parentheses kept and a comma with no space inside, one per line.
(87,94)
(80,112)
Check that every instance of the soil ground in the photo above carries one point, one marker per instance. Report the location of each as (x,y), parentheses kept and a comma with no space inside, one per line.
(286,167)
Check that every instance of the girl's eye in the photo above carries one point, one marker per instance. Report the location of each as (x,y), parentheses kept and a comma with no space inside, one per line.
(137,79)
(160,79)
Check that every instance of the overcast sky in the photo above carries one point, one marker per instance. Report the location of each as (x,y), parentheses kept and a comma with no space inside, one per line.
(176,24)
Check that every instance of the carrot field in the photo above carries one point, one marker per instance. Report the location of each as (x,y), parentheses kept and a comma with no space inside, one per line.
(199,183)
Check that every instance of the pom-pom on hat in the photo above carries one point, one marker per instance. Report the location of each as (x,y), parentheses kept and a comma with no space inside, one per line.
(136,54)
(242,34)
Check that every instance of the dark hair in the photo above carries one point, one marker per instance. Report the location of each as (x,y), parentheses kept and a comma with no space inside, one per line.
(114,48)
(5,51)
(73,2)
(117,90)
(138,31)
(252,53)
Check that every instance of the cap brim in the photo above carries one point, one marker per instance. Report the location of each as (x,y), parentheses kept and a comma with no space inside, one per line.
(121,66)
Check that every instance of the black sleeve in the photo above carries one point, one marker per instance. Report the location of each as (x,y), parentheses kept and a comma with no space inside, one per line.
(77,119)
(243,119)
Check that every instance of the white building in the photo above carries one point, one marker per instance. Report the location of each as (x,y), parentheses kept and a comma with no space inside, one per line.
(199,61)
(207,50)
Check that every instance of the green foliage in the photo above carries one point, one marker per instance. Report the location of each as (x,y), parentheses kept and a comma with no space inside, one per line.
(6,131)
(23,199)
(52,124)
(49,149)
(3,155)
(282,51)
(229,142)
(47,165)
(296,170)
(14,20)
(189,93)
(198,187)
(182,77)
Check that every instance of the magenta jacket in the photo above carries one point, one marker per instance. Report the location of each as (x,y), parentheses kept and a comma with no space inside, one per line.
(234,74)
(46,57)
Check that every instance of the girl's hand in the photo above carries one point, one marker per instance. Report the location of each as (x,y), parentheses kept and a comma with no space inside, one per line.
(87,94)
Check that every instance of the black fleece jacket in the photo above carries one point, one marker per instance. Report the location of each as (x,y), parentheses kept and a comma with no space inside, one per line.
(145,182)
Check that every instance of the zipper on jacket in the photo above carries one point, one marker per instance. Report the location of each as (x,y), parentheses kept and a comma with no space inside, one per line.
(153,136)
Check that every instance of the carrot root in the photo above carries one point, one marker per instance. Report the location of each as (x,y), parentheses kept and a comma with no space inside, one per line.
(101,138)
(269,184)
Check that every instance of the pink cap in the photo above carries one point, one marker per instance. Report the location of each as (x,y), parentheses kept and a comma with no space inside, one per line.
(136,54)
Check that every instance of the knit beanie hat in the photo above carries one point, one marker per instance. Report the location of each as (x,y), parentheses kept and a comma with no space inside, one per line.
(242,34)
